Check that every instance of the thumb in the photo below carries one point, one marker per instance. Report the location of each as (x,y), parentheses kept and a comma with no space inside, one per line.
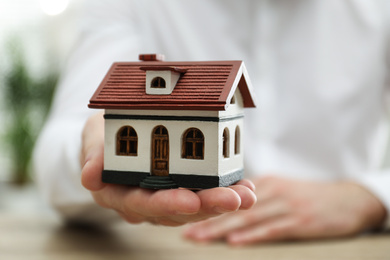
(92,151)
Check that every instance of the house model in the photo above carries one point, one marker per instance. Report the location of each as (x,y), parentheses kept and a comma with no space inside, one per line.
(174,124)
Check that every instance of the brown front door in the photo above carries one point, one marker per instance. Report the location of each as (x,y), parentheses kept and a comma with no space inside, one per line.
(160,151)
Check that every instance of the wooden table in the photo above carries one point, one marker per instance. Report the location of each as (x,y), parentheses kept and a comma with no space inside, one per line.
(45,237)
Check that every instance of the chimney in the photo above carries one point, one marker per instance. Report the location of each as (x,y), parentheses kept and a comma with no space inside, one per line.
(151,57)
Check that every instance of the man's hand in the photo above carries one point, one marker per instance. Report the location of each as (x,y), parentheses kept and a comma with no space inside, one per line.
(290,209)
(167,207)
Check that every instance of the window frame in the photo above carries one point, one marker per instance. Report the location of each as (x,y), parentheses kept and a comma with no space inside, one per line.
(161,83)
(226,143)
(237,140)
(130,139)
(197,142)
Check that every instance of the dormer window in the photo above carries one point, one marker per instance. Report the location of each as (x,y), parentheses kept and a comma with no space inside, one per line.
(161,80)
(158,82)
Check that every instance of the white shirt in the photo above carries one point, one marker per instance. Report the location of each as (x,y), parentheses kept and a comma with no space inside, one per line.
(320,71)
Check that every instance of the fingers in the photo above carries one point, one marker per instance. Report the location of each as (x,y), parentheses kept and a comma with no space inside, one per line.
(276,230)
(148,203)
(248,198)
(224,200)
(163,202)
(243,229)
(221,227)
(219,200)
(135,205)
(212,229)
(247,183)
(173,207)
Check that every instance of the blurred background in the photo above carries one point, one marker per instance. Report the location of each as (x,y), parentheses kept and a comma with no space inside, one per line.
(35,38)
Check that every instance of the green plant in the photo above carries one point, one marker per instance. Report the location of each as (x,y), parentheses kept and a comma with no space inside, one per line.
(27,102)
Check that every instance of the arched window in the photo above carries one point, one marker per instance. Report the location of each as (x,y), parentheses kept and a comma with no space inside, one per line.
(193,144)
(158,82)
(237,141)
(225,143)
(127,141)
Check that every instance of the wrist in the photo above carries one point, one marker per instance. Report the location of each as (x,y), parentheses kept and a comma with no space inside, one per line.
(369,207)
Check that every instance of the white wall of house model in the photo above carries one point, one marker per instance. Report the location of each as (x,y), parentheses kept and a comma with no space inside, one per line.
(214,162)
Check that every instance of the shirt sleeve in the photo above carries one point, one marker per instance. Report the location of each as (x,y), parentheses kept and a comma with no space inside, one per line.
(103,38)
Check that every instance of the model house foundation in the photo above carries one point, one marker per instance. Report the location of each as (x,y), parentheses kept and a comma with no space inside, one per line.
(174,124)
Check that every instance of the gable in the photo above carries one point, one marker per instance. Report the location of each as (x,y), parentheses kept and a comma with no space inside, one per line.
(242,82)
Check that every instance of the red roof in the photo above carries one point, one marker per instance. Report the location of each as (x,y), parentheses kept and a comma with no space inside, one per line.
(202,86)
